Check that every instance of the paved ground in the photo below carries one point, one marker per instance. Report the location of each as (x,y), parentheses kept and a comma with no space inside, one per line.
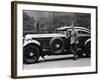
(59,62)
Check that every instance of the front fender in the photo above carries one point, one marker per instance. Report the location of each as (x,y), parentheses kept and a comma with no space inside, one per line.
(31,41)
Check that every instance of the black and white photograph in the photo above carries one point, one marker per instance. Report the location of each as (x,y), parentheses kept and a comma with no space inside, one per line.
(54,39)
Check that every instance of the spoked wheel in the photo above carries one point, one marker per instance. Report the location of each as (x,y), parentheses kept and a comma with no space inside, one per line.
(31,54)
(56,45)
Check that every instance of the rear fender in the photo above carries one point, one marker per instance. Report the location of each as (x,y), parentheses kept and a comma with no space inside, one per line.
(89,40)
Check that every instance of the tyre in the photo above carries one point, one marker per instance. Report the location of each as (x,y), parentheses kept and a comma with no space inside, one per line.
(79,52)
(88,49)
(56,45)
(31,54)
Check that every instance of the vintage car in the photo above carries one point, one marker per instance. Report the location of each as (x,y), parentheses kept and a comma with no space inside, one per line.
(58,43)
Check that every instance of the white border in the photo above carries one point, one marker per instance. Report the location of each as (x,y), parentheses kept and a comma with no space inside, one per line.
(21,72)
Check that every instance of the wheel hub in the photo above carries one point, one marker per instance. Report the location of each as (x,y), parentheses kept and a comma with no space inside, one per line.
(31,54)
(57,45)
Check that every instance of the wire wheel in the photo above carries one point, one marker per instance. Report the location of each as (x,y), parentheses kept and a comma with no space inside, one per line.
(31,54)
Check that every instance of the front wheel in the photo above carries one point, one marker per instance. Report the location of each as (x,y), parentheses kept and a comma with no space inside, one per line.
(31,54)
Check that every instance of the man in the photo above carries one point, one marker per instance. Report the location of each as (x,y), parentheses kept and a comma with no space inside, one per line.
(74,41)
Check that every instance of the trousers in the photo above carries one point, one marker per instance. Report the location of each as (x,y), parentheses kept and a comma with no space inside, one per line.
(73,48)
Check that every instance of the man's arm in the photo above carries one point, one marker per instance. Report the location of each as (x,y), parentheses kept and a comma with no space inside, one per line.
(76,37)
(68,36)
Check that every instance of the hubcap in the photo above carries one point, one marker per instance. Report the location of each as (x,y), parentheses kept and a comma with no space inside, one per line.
(31,54)
(57,45)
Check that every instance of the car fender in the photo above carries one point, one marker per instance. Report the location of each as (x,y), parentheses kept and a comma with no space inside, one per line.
(30,42)
(88,40)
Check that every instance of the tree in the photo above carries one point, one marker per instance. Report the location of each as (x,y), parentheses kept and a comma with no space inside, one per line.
(28,23)
(83,19)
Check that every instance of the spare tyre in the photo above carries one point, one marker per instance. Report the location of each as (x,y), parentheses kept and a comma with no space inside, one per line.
(56,45)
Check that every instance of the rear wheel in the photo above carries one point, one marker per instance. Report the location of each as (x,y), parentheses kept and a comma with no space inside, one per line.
(31,54)
(88,49)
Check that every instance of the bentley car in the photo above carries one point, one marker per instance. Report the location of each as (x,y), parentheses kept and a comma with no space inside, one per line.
(58,43)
